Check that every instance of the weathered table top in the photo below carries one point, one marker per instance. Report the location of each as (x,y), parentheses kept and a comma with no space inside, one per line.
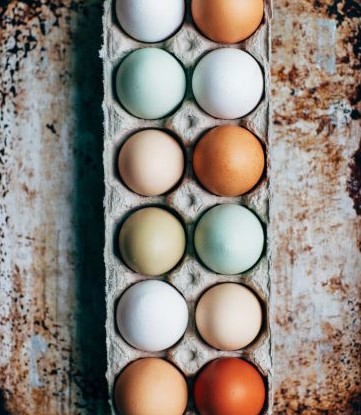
(52,354)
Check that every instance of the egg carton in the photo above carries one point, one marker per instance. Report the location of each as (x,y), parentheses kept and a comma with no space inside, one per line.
(189,200)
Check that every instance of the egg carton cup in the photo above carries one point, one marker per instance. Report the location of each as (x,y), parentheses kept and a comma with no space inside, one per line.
(188,201)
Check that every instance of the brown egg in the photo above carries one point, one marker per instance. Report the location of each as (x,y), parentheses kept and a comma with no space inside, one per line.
(151,386)
(229,386)
(227,21)
(228,160)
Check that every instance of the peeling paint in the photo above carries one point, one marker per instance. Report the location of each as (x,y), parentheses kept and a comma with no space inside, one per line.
(51,285)
(354,183)
(326,45)
(38,348)
(314,223)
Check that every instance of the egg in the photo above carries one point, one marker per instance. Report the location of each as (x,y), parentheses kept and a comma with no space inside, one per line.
(152,241)
(152,315)
(228,160)
(151,162)
(150,83)
(229,316)
(228,21)
(228,83)
(229,386)
(150,386)
(229,239)
(150,20)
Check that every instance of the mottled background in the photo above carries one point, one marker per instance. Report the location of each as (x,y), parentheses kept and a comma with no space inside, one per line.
(52,311)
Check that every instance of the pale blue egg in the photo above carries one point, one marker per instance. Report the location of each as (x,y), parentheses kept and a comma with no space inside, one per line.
(229,239)
(150,83)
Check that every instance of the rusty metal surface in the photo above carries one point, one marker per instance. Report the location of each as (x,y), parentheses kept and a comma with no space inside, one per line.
(52,311)
(52,337)
(316,230)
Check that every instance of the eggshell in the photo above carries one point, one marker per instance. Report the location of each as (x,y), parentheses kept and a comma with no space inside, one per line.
(150,83)
(152,315)
(228,21)
(150,20)
(228,316)
(228,83)
(229,386)
(228,160)
(152,241)
(151,162)
(229,239)
(150,386)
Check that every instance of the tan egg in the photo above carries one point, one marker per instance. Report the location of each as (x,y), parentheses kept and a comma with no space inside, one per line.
(227,21)
(151,386)
(228,160)
(151,162)
(152,241)
(229,316)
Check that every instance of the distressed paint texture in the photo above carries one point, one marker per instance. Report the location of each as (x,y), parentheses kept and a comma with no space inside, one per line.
(52,358)
(52,311)
(315,228)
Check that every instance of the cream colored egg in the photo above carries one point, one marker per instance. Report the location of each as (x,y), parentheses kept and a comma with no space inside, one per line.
(151,162)
(229,316)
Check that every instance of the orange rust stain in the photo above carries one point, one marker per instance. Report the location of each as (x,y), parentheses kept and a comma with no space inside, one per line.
(315,113)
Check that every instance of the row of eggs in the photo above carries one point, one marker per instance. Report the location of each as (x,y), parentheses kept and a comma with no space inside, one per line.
(152,316)
(228,239)
(153,386)
(228,161)
(227,83)
(151,21)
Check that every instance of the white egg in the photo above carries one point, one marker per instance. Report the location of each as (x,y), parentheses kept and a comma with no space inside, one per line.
(228,83)
(150,20)
(152,315)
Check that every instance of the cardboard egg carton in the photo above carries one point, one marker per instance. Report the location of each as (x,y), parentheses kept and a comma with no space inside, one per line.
(189,200)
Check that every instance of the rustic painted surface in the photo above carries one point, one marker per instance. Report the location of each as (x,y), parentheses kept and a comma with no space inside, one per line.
(52,312)
(52,358)
(315,223)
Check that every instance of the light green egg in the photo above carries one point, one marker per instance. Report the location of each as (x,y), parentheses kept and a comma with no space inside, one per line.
(150,83)
(229,239)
